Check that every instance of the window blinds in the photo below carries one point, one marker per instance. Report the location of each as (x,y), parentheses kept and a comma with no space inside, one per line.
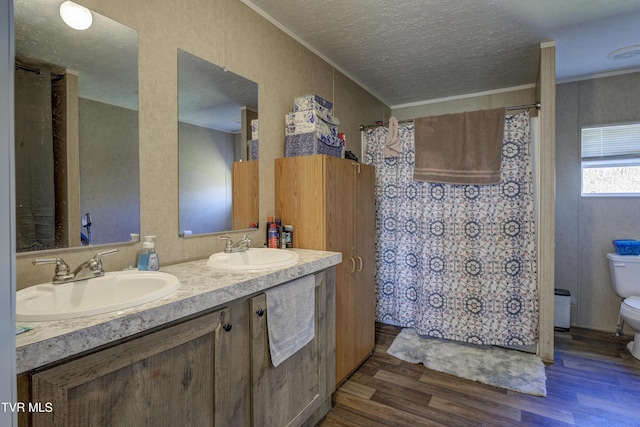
(608,142)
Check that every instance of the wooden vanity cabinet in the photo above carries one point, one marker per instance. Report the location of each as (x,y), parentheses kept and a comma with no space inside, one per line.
(330,202)
(211,370)
(298,391)
(193,373)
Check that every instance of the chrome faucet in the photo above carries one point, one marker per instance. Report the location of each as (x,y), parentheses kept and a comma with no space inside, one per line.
(87,270)
(240,246)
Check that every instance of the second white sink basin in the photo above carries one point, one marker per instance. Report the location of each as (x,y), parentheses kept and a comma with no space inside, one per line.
(253,259)
(114,291)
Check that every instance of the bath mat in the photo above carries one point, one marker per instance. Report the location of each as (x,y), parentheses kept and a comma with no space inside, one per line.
(508,369)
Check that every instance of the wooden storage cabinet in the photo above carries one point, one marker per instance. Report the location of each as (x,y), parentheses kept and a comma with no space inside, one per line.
(213,370)
(331,204)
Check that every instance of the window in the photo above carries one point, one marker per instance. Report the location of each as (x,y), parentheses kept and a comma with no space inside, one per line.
(611,160)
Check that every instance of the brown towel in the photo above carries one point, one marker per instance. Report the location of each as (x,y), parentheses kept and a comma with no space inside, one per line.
(463,148)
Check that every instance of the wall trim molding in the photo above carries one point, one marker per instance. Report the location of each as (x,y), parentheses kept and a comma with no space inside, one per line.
(465,96)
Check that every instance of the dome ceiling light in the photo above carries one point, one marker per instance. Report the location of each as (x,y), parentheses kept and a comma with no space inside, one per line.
(625,52)
(76,16)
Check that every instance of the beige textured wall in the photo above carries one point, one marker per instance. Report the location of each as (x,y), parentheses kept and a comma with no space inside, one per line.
(226,33)
(586,225)
(205,157)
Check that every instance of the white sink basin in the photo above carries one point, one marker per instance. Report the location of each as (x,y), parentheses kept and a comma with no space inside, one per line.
(253,259)
(114,291)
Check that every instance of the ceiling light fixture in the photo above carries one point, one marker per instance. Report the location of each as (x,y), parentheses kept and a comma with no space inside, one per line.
(625,52)
(76,16)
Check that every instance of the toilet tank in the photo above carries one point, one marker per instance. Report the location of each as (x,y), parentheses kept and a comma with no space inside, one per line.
(625,274)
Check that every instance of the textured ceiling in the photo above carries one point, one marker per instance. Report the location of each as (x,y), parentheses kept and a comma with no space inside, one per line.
(412,51)
(212,97)
(105,58)
(402,51)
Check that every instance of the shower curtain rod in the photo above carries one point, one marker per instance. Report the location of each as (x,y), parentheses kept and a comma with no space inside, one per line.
(515,107)
(35,70)
(29,69)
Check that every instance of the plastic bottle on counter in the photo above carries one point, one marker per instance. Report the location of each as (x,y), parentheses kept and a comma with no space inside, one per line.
(272,240)
(279,227)
(269,222)
(148,259)
(287,237)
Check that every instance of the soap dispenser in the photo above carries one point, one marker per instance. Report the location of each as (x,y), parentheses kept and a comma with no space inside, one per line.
(148,259)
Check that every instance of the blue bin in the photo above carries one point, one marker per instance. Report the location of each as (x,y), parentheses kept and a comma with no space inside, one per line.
(627,247)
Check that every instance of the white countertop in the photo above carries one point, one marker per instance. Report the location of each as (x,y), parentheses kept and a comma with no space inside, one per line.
(201,288)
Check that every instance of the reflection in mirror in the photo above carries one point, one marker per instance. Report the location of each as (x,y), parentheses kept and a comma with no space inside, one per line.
(214,108)
(76,130)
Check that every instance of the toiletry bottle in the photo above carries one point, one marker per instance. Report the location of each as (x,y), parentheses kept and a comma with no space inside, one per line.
(154,263)
(269,222)
(143,258)
(279,227)
(272,241)
(148,259)
(287,236)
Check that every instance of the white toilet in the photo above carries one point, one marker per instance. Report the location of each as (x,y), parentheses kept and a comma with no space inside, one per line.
(625,276)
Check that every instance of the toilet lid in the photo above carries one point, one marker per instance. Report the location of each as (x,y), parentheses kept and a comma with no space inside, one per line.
(633,302)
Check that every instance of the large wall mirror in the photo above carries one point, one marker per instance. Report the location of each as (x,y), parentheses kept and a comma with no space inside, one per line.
(218,187)
(76,130)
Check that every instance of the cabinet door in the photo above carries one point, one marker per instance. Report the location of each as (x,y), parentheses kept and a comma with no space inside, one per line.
(300,199)
(341,232)
(294,390)
(189,374)
(364,338)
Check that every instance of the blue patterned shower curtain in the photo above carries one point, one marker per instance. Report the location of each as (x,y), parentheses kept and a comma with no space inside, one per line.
(457,261)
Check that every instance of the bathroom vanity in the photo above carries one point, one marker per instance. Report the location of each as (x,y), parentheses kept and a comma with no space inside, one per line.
(199,356)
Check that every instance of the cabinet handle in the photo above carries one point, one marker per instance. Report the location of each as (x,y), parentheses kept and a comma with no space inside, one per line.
(353,265)
(260,312)
(227,327)
(361,263)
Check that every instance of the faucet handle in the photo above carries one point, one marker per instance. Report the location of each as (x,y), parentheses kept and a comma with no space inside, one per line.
(95,264)
(99,255)
(253,230)
(62,269)
(229,244)
(246,239)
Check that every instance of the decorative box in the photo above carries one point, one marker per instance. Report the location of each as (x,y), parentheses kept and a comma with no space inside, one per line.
(253,149)
(311,102)
(310,121)
(254,129)
(306,144)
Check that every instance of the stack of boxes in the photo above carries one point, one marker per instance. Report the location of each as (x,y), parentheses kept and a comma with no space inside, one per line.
(253,143)
(311,129)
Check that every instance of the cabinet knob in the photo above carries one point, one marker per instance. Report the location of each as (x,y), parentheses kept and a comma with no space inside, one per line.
(260,312)
(353,265)
(227,327)
(361,264)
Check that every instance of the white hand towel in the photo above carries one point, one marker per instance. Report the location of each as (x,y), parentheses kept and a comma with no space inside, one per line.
(290,317)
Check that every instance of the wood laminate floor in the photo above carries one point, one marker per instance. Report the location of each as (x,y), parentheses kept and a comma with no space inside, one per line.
(593,382)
